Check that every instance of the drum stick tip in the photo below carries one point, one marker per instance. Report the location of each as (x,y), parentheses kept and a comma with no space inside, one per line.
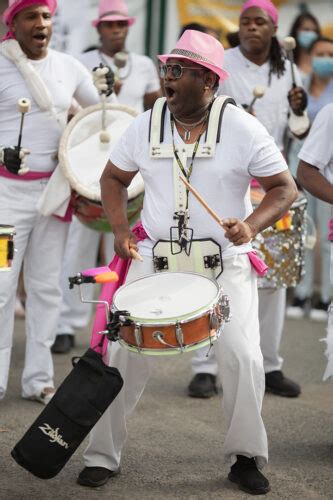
(135,255)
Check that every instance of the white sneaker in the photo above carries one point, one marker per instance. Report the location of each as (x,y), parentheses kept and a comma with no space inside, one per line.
(44,397)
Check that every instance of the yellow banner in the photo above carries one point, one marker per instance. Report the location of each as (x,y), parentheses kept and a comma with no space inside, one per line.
(221,15)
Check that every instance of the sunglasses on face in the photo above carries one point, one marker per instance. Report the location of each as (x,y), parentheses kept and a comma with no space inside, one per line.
(176,70)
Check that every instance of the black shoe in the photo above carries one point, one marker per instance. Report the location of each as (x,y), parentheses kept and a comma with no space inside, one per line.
(278,384)
(245,473)
(319,311)
(95,476)
(202,385)
(63,344)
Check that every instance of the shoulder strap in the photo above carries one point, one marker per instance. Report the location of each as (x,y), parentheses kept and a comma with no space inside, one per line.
(12,51)
(213,134)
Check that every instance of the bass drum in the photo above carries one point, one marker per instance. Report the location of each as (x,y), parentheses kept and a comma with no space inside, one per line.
(282,245)
(83,153)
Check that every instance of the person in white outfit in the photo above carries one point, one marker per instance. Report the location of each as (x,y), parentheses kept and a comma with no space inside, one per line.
(49,80)
(137,86)
(315,174)
(258,61)
(244,150)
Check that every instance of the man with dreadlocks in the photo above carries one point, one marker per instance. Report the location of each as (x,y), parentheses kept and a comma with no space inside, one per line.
(259,60)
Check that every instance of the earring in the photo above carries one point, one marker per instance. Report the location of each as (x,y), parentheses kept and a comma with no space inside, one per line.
(206,87)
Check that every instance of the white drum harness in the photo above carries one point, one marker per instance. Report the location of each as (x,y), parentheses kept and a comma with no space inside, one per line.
(182,252)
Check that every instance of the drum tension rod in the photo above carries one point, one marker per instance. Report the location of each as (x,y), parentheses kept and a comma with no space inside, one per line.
(118,319)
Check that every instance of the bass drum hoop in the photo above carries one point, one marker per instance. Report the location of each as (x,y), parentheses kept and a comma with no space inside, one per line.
(73,180)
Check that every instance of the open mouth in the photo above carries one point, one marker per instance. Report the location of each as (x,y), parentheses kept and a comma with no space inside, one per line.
(169,92)
(41,37)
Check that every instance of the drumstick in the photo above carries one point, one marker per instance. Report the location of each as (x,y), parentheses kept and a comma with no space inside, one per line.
(104,135)
(135,255)
(202,201)
(23,106)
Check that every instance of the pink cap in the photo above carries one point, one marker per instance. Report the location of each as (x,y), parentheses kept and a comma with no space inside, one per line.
(113,10)
(200,48)
(265,5)
(15,6)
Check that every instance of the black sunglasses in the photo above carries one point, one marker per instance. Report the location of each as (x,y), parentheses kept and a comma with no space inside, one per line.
(176,70)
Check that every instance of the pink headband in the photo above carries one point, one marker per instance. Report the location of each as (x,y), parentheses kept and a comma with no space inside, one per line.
(265,5)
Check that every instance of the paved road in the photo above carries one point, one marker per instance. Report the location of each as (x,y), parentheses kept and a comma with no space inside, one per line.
(174,445)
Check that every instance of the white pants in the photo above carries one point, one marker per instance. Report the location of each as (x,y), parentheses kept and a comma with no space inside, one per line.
(240,362)
(321,214)
(272,304)
(40,243)
(81,253)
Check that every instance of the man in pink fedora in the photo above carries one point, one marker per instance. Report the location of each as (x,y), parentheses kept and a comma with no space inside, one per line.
(48,80)
(175,139)
(137,86)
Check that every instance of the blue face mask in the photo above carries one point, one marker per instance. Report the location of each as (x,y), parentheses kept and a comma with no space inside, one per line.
(323,66)
(306,38)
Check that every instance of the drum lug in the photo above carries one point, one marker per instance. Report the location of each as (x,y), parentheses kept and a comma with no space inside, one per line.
(138,336)
(225,308)
(180,336)
(157,335)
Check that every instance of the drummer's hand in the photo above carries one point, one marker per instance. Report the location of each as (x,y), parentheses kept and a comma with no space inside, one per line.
(238,231)
(103,77)
(124,241)
(14,159)
(298,99)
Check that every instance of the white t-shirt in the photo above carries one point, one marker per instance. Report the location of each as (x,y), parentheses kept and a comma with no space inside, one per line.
(245,150)
(318,146)
(65,78)
(272,109)
(139,76)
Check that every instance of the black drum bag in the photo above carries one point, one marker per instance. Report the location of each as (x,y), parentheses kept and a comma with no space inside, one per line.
(73,411)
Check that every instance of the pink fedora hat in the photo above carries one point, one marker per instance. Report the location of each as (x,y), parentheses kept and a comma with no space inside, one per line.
(15,6)
(113,10)
(200,48)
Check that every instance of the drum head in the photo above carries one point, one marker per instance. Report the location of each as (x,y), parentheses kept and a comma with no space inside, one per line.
(166,297)
(82,155)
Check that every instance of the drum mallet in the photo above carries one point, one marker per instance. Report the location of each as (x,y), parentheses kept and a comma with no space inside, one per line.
(258,93)
(289,44)
(104,135)
(23,106)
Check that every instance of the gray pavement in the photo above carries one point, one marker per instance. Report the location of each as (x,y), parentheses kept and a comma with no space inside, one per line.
(174,445)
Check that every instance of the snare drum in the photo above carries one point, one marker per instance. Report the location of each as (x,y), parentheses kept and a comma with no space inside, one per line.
(282,246)
(171,313)
(6,247)
(82,157)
